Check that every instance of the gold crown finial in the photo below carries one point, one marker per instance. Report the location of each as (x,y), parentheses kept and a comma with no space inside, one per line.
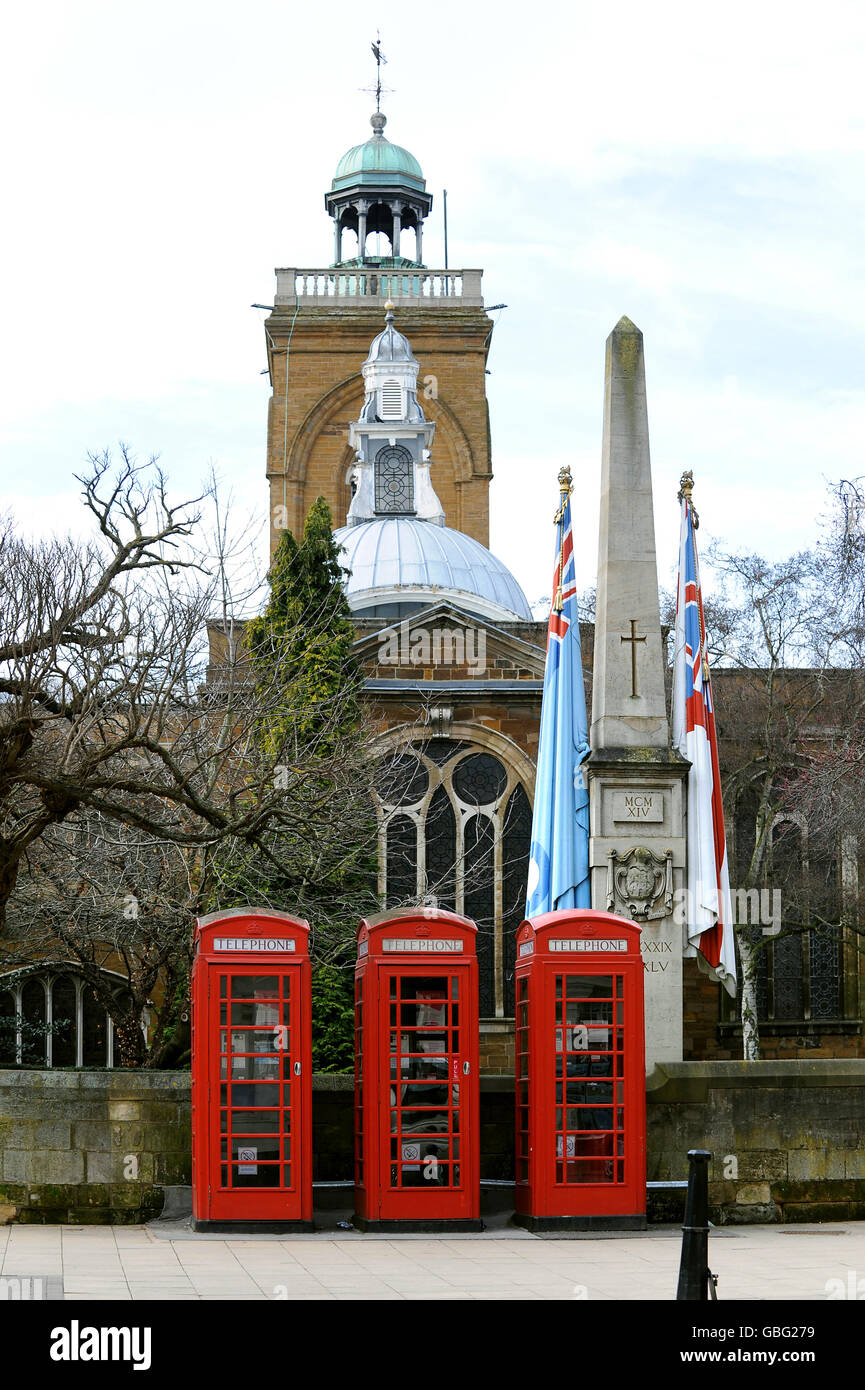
(686,490)
(566,488)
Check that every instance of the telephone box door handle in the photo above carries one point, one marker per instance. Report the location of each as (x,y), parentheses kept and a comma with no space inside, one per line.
(297,1068)
(465,1068)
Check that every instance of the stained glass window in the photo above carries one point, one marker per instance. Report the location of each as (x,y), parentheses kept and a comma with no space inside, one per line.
(480,779)
(403,781)
(479,902)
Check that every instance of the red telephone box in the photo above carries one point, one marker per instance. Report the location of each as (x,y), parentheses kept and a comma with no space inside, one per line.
(580,1073)
(251,1072)
(417,1159)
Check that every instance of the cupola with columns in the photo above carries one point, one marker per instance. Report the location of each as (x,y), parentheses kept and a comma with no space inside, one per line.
(378,187)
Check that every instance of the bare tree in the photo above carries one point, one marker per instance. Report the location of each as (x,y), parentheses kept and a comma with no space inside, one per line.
(775,641)
(105,706)
(134,765)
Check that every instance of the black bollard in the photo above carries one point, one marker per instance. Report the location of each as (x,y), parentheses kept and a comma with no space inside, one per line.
(694,1273)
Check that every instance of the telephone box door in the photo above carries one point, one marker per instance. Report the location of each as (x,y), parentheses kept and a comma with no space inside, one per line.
(417,1159)
(251,1072)
(258,1075)
(429,1096)
(593,1124)
(581,1099)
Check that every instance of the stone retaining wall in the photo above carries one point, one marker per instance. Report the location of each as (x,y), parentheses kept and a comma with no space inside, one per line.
(91,1146)
(788,1139)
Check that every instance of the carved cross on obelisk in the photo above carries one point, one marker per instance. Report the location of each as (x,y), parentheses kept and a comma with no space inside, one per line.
(633,639)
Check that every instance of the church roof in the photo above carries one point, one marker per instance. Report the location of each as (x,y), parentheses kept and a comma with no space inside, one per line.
(403,559)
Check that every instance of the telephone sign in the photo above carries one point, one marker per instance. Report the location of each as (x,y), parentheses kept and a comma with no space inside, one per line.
(580,1073)
(251,1073)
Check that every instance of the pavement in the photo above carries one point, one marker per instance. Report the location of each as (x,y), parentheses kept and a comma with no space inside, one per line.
(167,1261)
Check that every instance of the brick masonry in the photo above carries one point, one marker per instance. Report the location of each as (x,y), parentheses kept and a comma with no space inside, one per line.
(308,454)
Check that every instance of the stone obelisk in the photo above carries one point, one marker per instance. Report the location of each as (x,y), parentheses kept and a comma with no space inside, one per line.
(636,790)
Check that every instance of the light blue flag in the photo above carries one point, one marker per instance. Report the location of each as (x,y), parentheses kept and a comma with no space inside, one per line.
(559,858)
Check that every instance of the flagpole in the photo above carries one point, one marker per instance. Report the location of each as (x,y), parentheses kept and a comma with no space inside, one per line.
(708,873)
(566,488)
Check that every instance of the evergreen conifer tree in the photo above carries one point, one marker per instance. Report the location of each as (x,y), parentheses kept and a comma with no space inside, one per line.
(300,650)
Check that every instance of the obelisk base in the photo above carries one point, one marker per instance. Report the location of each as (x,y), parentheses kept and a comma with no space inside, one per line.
(637,858)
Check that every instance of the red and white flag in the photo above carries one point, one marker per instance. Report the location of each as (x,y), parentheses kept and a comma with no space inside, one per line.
(709,931)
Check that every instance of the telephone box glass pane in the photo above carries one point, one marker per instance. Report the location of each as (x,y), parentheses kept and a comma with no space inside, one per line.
(257,1011)
(255,986)
(255,1121)
(588,987)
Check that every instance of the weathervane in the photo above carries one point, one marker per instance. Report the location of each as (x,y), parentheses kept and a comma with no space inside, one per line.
(377,90)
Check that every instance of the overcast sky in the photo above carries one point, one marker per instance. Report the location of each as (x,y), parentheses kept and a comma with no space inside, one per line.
(698,168)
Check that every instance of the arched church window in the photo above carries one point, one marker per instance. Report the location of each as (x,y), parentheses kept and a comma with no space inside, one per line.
(94,1029)
(456,827)
(799,969)
(403,781)
(825,936)
(786,983)
(394,480)
(480,779)
(53,1019)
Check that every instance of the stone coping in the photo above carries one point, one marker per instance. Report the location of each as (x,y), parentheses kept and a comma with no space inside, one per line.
(135,1082)
(821,1071)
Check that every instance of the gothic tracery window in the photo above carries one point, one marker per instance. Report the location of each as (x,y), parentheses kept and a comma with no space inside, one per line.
(455,832)
(799,968)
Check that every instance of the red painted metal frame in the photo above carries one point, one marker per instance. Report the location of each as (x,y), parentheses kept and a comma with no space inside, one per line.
(288,1205)
(381,1199)
(547,1188)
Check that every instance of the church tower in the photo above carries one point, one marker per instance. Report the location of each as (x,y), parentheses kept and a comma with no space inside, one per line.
(320,328)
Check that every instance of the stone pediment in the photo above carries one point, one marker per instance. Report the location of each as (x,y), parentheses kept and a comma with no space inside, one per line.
(445,643)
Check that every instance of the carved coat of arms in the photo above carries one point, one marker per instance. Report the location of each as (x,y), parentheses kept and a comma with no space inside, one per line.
(640,884)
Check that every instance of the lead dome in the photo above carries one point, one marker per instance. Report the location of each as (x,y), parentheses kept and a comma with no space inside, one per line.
(401,564)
